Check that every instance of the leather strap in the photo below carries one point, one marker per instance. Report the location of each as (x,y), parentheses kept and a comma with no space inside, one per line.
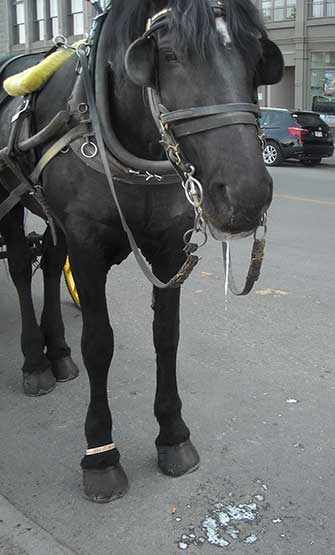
(212,122)
(257,256)
(78,131)
(204,111)
(13,199)
(55,127)
(26,184)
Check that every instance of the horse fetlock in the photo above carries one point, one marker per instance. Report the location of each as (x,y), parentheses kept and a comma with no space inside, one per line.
(35,362)
(36,383)
(176,460)
(64,369)
(101,461)
(173,431)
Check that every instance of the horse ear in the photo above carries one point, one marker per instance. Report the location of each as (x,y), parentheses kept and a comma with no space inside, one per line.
(140,62)
(271,67)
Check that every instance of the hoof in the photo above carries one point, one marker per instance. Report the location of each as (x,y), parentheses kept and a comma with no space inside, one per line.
(64,369)
(103,486)
(176,460)
(35,384)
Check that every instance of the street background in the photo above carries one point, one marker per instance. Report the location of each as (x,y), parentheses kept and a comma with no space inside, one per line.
(257,381)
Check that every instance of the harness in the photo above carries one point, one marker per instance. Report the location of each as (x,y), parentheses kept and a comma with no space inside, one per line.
(83,120)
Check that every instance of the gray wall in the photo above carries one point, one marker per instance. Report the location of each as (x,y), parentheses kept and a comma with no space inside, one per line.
(282,95)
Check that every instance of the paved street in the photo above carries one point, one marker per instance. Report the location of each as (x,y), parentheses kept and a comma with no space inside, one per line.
(258,386)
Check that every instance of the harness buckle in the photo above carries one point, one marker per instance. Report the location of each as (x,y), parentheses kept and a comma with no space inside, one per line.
(173,152)
(23,108)
(264,226)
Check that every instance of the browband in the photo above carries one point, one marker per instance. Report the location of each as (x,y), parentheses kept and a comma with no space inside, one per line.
(157,20)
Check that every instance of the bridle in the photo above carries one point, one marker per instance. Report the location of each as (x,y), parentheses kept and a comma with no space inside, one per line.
(173,125)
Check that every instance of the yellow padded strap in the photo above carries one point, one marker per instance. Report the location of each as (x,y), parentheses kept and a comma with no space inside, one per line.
(34,78)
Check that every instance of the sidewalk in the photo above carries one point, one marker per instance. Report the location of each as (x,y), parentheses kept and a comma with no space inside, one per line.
(21,536)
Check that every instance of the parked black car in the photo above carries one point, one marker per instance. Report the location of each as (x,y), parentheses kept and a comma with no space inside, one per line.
(301,135)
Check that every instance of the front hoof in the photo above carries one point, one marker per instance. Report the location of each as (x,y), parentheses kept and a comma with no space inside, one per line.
(64,369)
(105,485)
(176,460)
(35,385)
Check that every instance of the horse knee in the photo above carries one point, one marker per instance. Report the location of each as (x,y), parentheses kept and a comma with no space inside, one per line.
(19,263)
(54,256)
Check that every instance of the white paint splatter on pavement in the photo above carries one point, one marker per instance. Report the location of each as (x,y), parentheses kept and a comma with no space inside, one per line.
(222,526)
(250,539)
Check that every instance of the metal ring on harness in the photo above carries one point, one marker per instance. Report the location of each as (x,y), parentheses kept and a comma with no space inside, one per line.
(188,236)
(193,189)
(60,40)
(89,149)
(83,108)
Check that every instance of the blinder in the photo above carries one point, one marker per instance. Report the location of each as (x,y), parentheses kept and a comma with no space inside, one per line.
(270,69)
(140,62)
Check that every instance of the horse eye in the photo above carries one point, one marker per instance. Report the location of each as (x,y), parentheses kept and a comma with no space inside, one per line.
(170,55)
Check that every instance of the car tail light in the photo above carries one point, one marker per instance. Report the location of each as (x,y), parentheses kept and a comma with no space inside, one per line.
(298,132)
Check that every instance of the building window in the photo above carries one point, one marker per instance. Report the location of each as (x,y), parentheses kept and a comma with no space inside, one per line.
(76,17)
(39,20)
(322,8)
(53,22)
(19,31)
(278,10)
(322,84)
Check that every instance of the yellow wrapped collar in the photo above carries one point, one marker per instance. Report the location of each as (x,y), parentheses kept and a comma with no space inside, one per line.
(34,78)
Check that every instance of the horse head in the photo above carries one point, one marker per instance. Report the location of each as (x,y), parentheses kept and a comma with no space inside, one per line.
(200,54)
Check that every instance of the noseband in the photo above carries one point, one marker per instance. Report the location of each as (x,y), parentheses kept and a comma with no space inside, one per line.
(175,124)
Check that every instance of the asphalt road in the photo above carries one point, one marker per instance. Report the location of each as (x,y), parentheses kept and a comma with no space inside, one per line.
(258,385)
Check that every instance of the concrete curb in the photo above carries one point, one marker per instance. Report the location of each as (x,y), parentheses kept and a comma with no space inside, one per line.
(21,536)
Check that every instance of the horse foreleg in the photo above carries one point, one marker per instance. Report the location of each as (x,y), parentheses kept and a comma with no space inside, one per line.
(104,477)
(176,453)
(58,352)
(38,378)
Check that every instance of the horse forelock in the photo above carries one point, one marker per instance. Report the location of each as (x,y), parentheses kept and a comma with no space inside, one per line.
(192,24)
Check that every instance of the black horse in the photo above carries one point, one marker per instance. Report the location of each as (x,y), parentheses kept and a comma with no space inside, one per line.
(196,53)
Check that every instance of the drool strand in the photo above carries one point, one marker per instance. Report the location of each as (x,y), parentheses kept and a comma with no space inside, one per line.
(226,256)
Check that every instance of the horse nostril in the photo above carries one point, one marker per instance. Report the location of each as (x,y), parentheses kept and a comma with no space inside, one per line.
(219,190)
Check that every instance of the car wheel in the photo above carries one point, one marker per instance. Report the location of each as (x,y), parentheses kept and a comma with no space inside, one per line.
(311,161)
(272,155)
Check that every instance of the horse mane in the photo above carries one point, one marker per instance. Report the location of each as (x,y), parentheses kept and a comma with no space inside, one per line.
(192,24)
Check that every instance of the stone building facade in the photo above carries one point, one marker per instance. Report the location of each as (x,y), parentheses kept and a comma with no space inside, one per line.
(304,30)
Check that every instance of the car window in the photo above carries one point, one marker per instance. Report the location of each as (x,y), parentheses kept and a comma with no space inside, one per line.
(274,118)
(308,119)
(265,118)
(277,119)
